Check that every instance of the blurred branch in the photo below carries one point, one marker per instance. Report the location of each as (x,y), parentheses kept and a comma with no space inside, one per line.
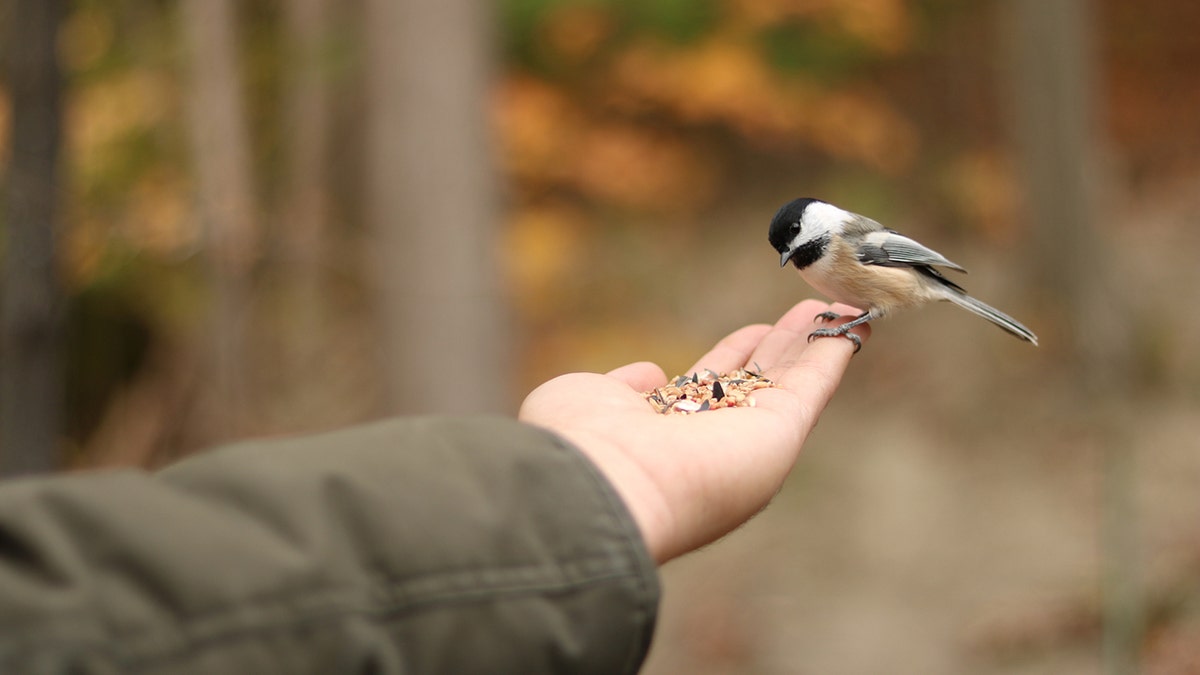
(306,199)
(31,307)
(226,195)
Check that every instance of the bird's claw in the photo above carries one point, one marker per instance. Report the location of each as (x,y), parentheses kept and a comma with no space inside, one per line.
(826,316)
(839,331)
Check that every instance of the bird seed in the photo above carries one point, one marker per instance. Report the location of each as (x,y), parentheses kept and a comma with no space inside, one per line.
(685,395)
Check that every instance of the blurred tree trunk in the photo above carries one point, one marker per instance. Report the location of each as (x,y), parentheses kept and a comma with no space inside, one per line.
(31,308)
(1055,84)
(306,198)
(1055,79)
(226,199)
(431,205)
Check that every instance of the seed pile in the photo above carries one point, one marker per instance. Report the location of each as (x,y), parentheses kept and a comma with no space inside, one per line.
(710,391)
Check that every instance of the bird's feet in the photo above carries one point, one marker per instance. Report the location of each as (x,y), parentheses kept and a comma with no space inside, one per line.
(827,316)
(837,331)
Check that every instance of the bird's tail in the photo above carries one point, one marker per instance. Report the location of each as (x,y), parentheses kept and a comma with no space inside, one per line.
(992,314)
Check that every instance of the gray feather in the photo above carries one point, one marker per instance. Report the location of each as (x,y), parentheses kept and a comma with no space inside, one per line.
(992,314)
(891,249)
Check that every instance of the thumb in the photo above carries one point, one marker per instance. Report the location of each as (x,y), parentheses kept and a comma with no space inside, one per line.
(641,376)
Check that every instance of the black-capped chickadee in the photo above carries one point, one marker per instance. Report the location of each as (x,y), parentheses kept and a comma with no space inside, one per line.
(855,260)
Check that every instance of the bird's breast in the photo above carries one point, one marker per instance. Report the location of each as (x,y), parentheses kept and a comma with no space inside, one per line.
(841,277)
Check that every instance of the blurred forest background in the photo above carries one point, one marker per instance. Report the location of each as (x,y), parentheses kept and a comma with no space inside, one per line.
(223,219)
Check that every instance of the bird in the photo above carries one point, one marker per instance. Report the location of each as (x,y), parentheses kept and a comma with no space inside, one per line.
(855,260)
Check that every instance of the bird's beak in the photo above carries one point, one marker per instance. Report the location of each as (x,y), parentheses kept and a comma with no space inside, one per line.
(787,255)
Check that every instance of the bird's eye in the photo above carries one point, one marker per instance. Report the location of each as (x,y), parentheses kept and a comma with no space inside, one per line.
(795,228)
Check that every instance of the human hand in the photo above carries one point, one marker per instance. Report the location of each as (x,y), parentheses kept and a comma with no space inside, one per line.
(690,479)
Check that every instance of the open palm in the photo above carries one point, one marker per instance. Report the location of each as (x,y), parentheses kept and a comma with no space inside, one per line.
(690,479)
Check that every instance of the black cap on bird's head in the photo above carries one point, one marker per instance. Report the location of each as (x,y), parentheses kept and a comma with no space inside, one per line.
(785,227)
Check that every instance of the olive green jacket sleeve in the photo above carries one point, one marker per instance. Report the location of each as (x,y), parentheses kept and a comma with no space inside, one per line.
(422,545)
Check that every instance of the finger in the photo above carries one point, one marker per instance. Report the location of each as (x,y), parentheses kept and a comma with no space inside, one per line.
(812,372)
(846,313)
(733,351)
(641,376)
(794,325)
(816,364)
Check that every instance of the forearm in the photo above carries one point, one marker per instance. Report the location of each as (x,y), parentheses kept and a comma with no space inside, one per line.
(424,545)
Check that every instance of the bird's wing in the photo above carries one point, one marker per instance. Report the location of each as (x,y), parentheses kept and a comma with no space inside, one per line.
(892,249)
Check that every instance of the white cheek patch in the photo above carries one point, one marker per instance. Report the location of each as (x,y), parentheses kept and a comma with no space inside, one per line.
(822,219)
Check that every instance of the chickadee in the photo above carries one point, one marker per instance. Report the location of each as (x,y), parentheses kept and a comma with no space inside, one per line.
(855,260)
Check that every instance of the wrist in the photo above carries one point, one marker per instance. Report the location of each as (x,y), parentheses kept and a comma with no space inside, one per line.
(643,497)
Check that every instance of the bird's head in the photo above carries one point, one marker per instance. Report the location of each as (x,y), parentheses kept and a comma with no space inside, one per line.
(803,228)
